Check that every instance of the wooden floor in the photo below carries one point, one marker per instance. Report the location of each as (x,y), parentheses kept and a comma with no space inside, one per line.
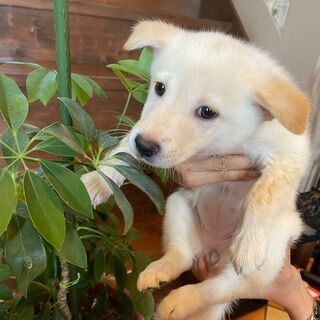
(272,311)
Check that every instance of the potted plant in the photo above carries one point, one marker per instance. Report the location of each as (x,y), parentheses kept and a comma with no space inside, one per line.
(64,259)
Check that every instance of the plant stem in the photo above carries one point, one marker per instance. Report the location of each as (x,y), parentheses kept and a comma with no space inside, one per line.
(124,109)
(61,26)
(63,291)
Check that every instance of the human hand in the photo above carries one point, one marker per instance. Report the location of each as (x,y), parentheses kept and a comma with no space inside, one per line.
(288,288)
(232,167)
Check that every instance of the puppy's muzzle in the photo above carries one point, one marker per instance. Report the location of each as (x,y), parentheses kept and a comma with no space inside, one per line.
(146,148)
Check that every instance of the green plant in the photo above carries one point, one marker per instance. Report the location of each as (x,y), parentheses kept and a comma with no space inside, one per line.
(47,221)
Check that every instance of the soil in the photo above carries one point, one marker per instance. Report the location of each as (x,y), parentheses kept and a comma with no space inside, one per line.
(113,314)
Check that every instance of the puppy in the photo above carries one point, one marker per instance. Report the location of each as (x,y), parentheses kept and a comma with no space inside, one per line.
(208,95)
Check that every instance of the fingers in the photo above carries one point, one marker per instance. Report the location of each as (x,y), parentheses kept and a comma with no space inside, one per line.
(196,179)
(200,268)
(228,162)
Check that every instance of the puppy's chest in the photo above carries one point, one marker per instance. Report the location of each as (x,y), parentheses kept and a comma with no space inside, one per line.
(217,212)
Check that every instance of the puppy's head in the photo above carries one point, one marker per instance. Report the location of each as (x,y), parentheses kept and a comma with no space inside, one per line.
(207,93)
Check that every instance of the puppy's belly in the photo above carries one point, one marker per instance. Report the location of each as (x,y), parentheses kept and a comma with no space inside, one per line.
(217,212)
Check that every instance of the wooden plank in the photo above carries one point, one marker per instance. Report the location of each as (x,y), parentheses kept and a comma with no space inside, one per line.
(224,11)
(27,35)
(177,7)
(100,9)
(188,8)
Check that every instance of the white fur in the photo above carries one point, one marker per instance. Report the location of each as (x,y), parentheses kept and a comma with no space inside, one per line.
(209,68)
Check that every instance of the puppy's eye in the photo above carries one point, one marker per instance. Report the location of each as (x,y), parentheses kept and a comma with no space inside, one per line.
(160,88)
(207,113)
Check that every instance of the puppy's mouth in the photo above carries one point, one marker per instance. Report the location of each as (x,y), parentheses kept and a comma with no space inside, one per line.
(153,153)
(161,162)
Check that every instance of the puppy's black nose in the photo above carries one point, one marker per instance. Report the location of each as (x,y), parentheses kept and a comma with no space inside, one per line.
(146,148)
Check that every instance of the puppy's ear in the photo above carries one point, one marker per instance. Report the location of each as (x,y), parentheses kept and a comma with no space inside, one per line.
(285,102)
(151,33)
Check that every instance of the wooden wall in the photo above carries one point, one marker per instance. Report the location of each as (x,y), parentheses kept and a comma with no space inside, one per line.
(98,29)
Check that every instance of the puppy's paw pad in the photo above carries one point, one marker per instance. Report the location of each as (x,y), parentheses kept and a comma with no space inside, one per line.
(180,304)
(157,272)
(97,188)
(248,257)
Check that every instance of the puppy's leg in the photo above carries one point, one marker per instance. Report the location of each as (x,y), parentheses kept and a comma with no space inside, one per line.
(276,186)
(98,189)
(181,244)
(191,300)
(210,295)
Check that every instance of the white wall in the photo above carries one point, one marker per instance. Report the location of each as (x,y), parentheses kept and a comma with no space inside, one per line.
(298,45)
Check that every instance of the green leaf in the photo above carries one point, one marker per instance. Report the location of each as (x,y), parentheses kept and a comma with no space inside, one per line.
(128,69)
(120,273)
(143,182)
(126,120)
(83,83)
(99,264)
(126,306)
(30,128)
(52,268)
(145,60)
(105,140)
(14,105)
(141,93)
(65,134)
(126,157)
(78,93)
(122,202)
(80,117)
(44,209)
(133,234)
(129,84)
(133,67)
(5,273)
(96,88)
(5,292)
(27,64)
(69,187)
(84,142)
(7,202)
(142,260)
(143,303)
(55,146)
(2,311)
(25,253)
(26,312)
(56,315)
(45,312)
(72,249)
(41,85)
(8,138)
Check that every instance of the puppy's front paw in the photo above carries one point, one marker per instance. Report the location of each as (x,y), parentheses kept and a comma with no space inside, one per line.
(180,304)
(160,271)
(248,253)
(97,188)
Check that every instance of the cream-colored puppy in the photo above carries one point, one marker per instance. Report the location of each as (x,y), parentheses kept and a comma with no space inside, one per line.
(207,96)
